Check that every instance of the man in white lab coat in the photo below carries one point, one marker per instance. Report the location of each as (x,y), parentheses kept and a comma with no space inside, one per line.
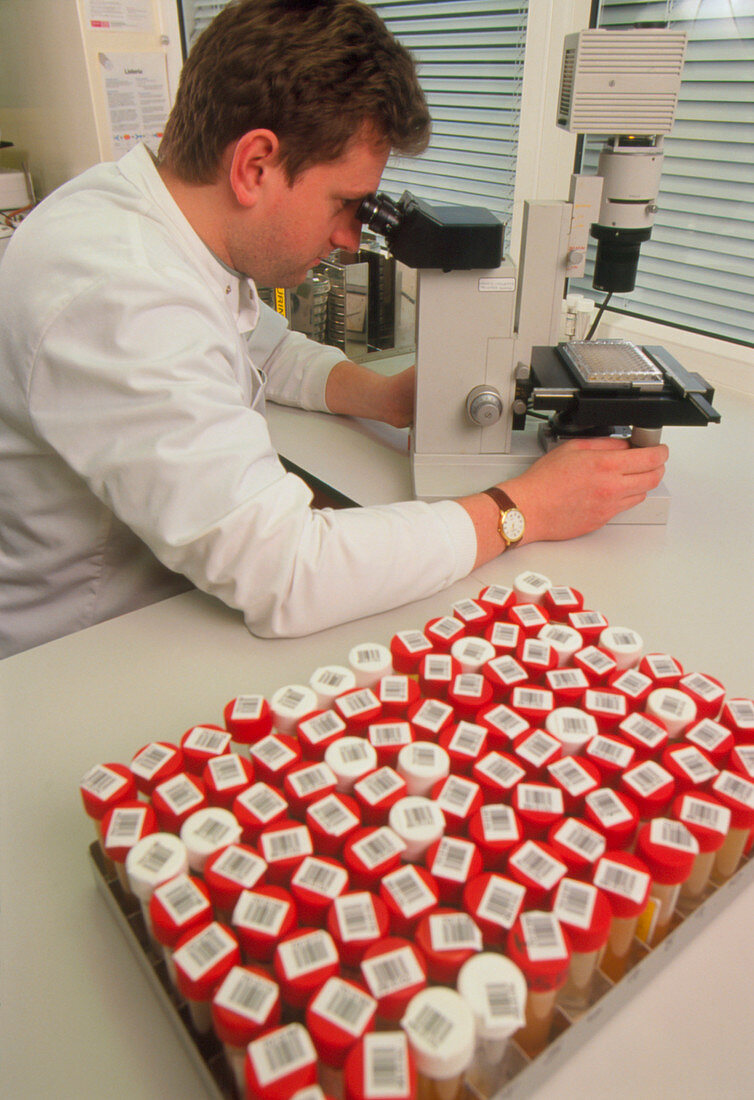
(135,358)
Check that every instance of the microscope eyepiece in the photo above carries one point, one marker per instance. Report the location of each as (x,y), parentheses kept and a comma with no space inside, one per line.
(380,213)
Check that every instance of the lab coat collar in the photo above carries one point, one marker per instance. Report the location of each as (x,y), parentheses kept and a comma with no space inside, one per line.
(139,168)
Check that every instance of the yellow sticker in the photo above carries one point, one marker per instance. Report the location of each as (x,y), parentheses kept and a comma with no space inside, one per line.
(280,300)
(645,926)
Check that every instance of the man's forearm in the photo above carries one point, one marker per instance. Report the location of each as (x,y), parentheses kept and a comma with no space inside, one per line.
(354,390)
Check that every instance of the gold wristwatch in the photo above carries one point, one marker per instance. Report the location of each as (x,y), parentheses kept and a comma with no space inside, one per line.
(511,524)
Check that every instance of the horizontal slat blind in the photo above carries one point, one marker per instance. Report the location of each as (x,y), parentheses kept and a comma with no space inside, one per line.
(697,270)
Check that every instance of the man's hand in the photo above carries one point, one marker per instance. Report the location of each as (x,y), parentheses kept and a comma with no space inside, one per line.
(354,390)
(576,488)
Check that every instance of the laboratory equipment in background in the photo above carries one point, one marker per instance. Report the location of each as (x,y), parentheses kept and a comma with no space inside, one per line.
(488,330)
(16,191)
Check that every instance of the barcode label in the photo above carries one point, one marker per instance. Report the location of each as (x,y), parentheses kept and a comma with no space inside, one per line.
(249,995)
(672,703)
(647,778)
(454,932)
(155,856)
(501,901)
(378,785)
(378,847)
(536,652)
(302,955)
(179,794)
(356,917)
(394,689)
(240,866)
(742,711)
(506,721)
(698,811)
(735,787)
(473,651)
(414,641)
(604,702)
(423,756)
(467,740)
(102,782)
(504,1003)
(431,715)
(612,752)
(562,596)
(416,813)
(247,707)
(632,683)
(532,699)
(370,657)
(227,771)
(181,899)
(661,666)
(438,668)
(708,735)
(457,795)
(695,764)
(386,1066)
(262,802)
(293,701)
(150,759)
(499,823)
(392,972)
(589,620)
(125,827)
(607,807)
(355,703)
(580,839)
(507,670)
(389,733)
(332,678)
(351,752)
(320,878)
(332,816)
(313,778)
(259,913)
(468,610)
(543,936)
(531,798)
(619,879)
(409,891)
(271,752)
(497,594)
(571,775)
(505,635)
(204,951)
(703,686)
(560,679)
(469,685)
(204,740)
(643,730)
(501,770)
(619,638)
(529,615)
(287,843)
(536,864)
(212,827)
(280,1053)
(673,834)
(594,659)
(322,726)
(427,1027)
(453,859)
(575,902)
(343,1005)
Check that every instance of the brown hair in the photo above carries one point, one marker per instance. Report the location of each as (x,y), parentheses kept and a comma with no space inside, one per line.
(314,72)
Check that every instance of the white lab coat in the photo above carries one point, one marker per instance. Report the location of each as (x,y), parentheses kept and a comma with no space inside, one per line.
(134,448)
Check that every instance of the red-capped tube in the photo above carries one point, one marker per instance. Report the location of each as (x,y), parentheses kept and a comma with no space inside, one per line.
(387,737)
(528,618)
(105,786)
(650,786)
(503,725)
(358,709)
(668,849)
(709,821)
(625,881)
(498,598)
(393,970)
(331,820)
(274,756)
(578,845)
(495,829)
(200,743)
(504,637)
(177,907)
(614,814)
(279,1063)
(283,846)
(561,601)
(155,762)
(410,893)
(464,742)
(504,673)
(245,1005)
(538,657)
(303,961)
(714,739)
(202,959)
(536,749)
(532,703)
(314,886)
(568,685)
(690,767)
(494,903)
(646,736)
(407,648)
(447,938)
(306,783)
(585,915)
(596,665)
(497,774)
(443,632)
(474,615)
(459,799)
(453,861)
(575,777)
(262,919)
(535,866)
(590,625)
(737,793)
(337,1016)
(633,685)
(661,668)
(539,948)
(738,716)
(176,799)
(468,692)
(257,807)
(380,1067)
(248,718)
(430,717)
(123,826)
(607,706)
(371,853)
(397,693)
(317,732)
(225,777)
(356,920)
(707,693)
(377,793)
(436,673)
(611,756)
(538,805)
(231,871)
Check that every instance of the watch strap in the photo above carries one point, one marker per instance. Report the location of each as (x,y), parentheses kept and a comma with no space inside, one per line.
(500,498)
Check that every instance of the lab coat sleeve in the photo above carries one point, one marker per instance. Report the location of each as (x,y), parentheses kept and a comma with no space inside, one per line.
(142,397)
(297,368)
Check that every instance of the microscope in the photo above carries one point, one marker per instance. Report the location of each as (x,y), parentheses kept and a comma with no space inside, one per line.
(487,331)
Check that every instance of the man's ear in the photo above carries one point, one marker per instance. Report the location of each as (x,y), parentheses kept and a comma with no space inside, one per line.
(252,157)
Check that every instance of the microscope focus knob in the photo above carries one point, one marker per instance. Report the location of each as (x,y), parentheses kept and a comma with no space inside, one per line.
(484,406)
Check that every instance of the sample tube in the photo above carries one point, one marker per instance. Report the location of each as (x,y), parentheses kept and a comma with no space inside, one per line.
(380,1067)
(709,821)
(625,880)
(245,1004)
(228,873)
(377,793)
(105,786)
(737,793)
(201,960)
(419,822)
(493,902)
(153,860)
(495,990)
(262,919)
(668,849)
(538,947)
(225,777)
(315,884)
(303,962)
(331,821)
(178,906)
(337,1016)
(446,939)
(355,921)
(206,832)
(585,914)
(441,1036)
(122,827)
(306,783)
(153,763)
(394,971)
(409,893)
(350,759)
(279,1063)
(247,718)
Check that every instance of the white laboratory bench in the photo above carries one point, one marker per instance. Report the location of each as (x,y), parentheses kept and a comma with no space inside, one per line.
(78,1018)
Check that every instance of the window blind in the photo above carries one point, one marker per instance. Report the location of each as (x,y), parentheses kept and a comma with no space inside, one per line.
(697,269)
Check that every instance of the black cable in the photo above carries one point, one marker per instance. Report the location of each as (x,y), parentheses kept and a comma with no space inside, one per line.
(598,318)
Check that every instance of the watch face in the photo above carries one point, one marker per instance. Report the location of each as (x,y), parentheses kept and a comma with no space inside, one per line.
(513,525)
